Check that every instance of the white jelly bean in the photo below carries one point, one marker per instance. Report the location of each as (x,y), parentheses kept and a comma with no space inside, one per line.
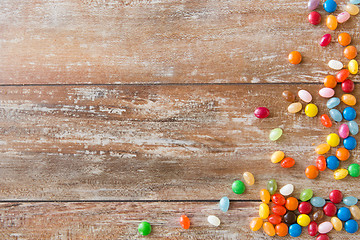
(213,220)
(305,96)
(325,227)
(326,92)
(295,107)
(336,65)
(287,189)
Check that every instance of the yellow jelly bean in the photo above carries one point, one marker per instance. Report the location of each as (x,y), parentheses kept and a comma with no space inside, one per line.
(340,173)
(322,148)
(352,9)
(264,211)
(303,220)
(337,223)
(348,99)
(353,66)
(295,107)
(277,156)
(331,22)
(355,212)
(333,139)
(311,110)
(264,196)
(256,224)
(269,229)
(249,178)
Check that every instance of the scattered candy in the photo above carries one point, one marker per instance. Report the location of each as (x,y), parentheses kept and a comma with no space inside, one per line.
(144,228)
(272,186)
(295,230)
(275,134)
(184,222)
(353,66)
(349,113)
(343,17)
(313,4)
(303,220)
(342,75)
(213,220)
(352,9)
(264,211)
(330,81)
(289,96)
(330,6)
(290,217)
(287,162)
(337,223)
(322,148)
(238,187)
(350,52)
(249,178)
(325,121)
(355,212)
(281,229)
(333,139)
(311,172)
(348,86)
(305,96)
(291,204)
(269,229)
(325,40)
(287,189)
(344,214)
(348,99)
(325,227)
(329,209)
(353,127)
(294,57)
(317,202)
(332,102)
(350,200)
(336,115)
(336,65)
(312,228)
(331,22)
(322,237)
(344,131)
(256,224)
(278,199)
(332,162)
(306,195)
(344,39)
(351,226)
(224,204)
(274,219)
(340,173)
(321,163)
(295,107)
(318,215)
(351,1)
(350,143)
(342,154)
(264,196)
(314,18)
(279,210)
(326,92)
(305,208)
(261,112)
(277,156)
(354,170)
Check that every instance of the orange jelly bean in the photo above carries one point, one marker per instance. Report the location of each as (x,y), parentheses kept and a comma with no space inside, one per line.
(321,163)
(350,52)
(342,154)
(281,229)
(344,39)
(184,222)
(279,210)
(348,99)
(291,203)
(331,22)
(330,81)
(294,57)
(322,148)
(265,196)
(342,75)
(256,224)
(311,172)
(325,120)
(274,219)
(269,229)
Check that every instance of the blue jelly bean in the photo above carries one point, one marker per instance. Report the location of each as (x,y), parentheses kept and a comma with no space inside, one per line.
(336,115)
(295,230)
(350,143)
(332,162)
(355,1)
(224,204)
(333,102)
(351,226)
(317,201)
(349,113)
(353,127)
(350,201)
(330,6)
(344,214)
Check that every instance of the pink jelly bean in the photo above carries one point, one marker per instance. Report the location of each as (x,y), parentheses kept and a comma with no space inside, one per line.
(326,92)
(313,4)
(344,130)
(325,227)
(305,96)
(325,40)
(343,17)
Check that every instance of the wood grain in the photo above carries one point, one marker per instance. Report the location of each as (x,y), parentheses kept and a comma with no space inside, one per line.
(157,41)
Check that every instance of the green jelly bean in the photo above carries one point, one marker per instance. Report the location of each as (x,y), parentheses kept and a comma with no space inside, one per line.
(354,170)
(238,187)
(306,195)
(144,228)
(275,134)
(272,186)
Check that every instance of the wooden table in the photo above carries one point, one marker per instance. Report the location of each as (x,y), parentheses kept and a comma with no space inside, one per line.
(118,111)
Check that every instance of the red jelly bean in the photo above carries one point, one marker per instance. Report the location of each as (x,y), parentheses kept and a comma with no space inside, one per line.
(274,219)
(184,222)
(261,112)
(287,162)
(347,86)
(314,18)
(322,237)
(305,208)
(342,75)
(336,196)
(321,163)
(278,199)
(330,209)
(325,40)
(279,210)
(312,228)
(326,121)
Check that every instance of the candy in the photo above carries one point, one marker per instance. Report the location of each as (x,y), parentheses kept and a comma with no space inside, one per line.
(295,230)
(311,172)
(288,96)
(342,75)
(261,112)
(322,237)
(256,224)
(344,131)
(278,199)
(275,134)
(325,121)
(271,186)
(317,201)
(318,215)
(353,66)
(336,196)
(281,229)
(351,226)
(353,127)
(344,39)
(342,154)
(214,220)
(344,214)
(333,139)
(322,148)
(331,23)
(337,223)
(321,163)
(295,107)
(354,170)
(343,17)
(290,218)
(336,65)
(340,173)
(313,4)
(306,195)
(264,196)
(351,1)
(348,99)
(287,189)
(336,115)
(224,204)
(329,209)
(349,113)
(287,162)
(325,227)
(269,229)
(144,228)
(330,6)
(274,219)
(330,81)
(277,156)
(348,86)
(279,210)
(332,162)
(303,220)
(184,222)
(355,212)
(305,208)
(294,57)
(238,187)
(326,92)
(305,96)
(332,102)
(350,200)
(352,9)
(350,143)
(350,52)
(312,228)
(291,204)
(249,178)
(314,18)
(264,211)
(325,40)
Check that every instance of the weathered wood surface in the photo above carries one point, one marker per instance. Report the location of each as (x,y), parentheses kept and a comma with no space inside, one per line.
(157,41)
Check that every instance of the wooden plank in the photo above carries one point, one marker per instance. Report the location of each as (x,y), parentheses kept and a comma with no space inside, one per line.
(154,142)
(120,221)
(148,41)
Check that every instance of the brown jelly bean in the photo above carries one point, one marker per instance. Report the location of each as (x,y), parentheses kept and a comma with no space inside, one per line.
(289,96)
(317,215)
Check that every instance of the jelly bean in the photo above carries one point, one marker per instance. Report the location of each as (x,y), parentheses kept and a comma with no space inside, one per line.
(321,163)
(305,96)
(306,195)
(311,110)
(332,162)
(313,4)
(350,200)
(351,226)
(305,208)
(340,173)
(261,112)
(353,66)
(348,99)
(317,215)
(275,134)
(349,113)
(325,227)
(314,18)
(325,121)
(279,210)
(269,229)
(335,115)
(295,230)
(351,1)
(330,6)
(311,172)
(355,212)
(303,220)
(353,127)
(271,186)
(274,219)
(281,229)
(184,222)
(238,187)
(325,40)
(214,220)
(278,199)
(344,214)
(144,228)
(256,224)
(336,196)
(277,156)
(317,201)
(290,218)
(289,96)
(264,196)
(332,24)
(312,228)
(350,52)
(352,9)
(342,154)
(343,17)
(322,236)
(337,223)
(322,148)
(264,211)
(287,189)
(295,107)
(344,131)
(294,57)
(342,75)
(336,65)
(330,81)
(291,204)
(224,204)
(348,86)
(326,92)
(344,39)
(332,102)
(333,139)
(249,178)
(354,170)
(287,162)
(329,209)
